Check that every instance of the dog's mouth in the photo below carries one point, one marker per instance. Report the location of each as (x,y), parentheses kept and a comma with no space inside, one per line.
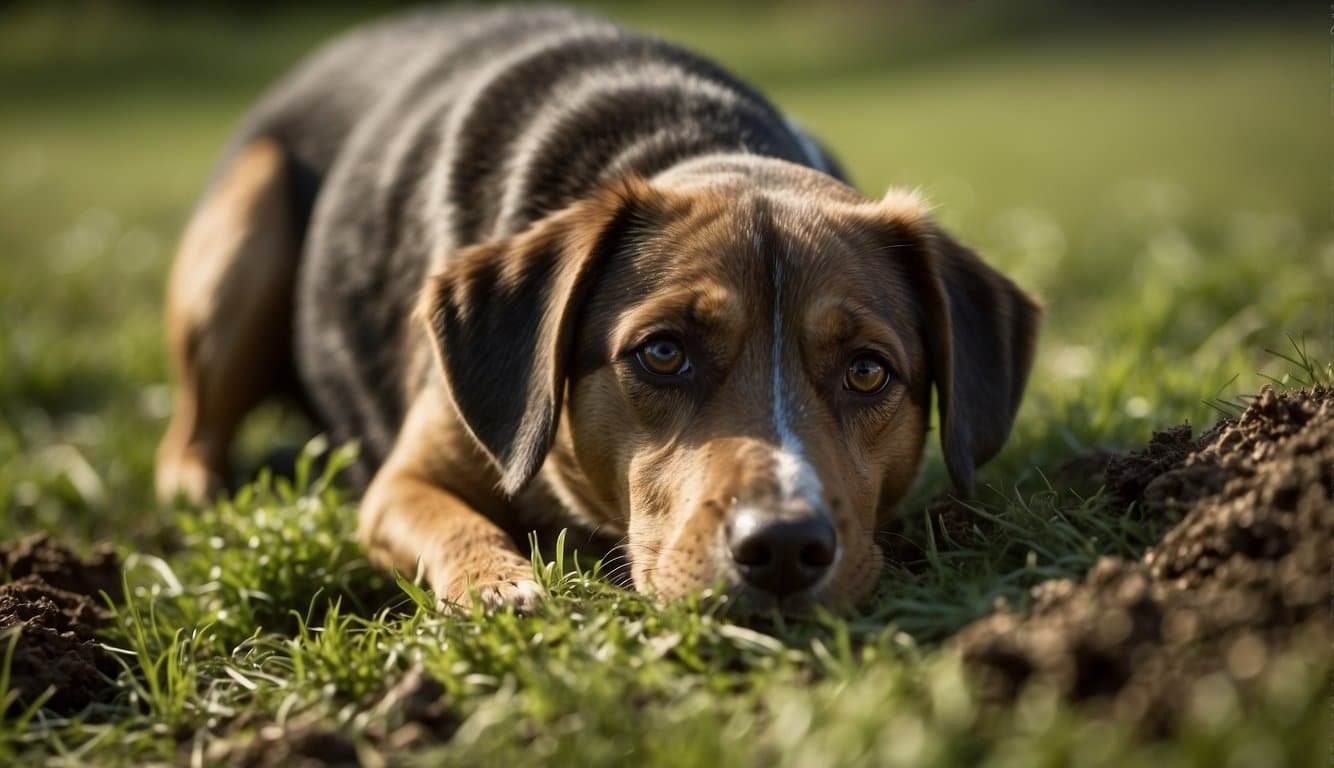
(736,598)
(744,600)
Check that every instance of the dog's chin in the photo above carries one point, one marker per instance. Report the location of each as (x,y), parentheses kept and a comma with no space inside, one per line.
(742,600)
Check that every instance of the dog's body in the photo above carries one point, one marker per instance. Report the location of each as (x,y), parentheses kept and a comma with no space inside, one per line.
(561,175)
(432,132)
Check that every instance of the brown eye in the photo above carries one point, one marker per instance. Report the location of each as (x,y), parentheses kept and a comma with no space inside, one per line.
(663,355)
(866,374)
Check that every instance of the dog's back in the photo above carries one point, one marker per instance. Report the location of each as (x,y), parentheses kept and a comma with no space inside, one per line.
(411,139)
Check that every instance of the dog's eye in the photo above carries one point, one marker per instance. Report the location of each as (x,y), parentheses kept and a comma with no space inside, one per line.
(866,374)
(664,356)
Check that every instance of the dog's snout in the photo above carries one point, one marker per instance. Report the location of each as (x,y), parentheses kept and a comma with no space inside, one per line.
(782,556)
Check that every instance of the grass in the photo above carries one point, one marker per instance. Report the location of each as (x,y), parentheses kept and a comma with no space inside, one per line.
(1157,190)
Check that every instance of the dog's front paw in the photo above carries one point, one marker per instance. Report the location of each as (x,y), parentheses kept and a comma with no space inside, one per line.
(497,588)
(521,594)
(183,473)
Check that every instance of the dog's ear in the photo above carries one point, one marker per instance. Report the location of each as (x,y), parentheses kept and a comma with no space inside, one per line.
(981,333)
(504,316)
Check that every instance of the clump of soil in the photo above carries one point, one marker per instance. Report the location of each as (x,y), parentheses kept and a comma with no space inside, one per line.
(42,556)
(1126,476)
(50,599)
(1241,577)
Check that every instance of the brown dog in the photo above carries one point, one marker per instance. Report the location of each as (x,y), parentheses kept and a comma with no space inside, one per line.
(533,261)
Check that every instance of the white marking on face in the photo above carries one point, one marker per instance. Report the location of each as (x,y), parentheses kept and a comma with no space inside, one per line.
(796,477)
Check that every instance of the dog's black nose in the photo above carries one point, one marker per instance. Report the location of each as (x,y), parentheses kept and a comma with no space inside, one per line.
(782,556)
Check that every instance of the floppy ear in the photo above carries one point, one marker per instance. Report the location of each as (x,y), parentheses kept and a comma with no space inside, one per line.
(981,333)
(504,316)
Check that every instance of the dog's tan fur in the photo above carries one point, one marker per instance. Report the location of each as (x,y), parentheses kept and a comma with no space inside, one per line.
(664,470)
(228,318)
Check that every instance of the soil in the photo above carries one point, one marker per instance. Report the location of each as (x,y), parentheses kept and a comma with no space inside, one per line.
(1126,476)
(1242,576)
(50,598)
(42,556)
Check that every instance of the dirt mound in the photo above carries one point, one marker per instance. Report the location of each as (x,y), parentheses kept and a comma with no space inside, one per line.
(42,556)
(1242,576)
(56,644)
(1127,475)
(54,607)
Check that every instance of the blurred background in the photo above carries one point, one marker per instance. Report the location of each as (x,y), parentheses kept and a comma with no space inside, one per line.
(1158,173)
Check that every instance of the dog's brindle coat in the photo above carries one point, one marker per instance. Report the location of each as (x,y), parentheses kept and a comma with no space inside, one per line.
(532,260)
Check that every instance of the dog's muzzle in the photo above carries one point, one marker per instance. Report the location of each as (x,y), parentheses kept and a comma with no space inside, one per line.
(782,556)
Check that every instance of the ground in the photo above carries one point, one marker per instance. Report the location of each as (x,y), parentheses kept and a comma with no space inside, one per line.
(1161,190)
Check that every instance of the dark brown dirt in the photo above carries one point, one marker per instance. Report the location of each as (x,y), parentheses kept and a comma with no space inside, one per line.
(1243,575)
(51,600)
(42,556)
(1126,476)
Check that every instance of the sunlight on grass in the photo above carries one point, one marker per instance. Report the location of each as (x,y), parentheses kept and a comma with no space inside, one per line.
(215,631)
(1156,193)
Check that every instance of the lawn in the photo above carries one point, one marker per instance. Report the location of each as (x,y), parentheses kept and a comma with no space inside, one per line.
(1165,191)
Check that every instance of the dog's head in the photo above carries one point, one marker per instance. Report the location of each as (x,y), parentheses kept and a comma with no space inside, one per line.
(743,351)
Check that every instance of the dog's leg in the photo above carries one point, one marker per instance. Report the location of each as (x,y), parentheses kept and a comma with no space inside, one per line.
(228,317)
(432,510)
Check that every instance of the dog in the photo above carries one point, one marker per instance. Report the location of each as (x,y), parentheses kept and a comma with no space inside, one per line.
(535,262)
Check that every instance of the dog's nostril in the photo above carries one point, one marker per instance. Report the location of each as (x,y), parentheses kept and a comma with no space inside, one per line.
(782,556)
(818,554)
(751,551)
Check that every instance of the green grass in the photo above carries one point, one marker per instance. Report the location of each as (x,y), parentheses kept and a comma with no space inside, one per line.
(1165,193)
